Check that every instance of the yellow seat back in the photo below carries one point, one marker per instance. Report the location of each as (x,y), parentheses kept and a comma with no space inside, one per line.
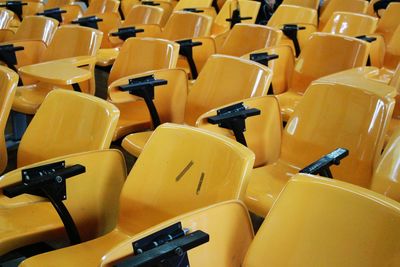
(5,18)
(8,84)
(36,28)
(142,14)
(67,122)
(289,14)
(355,6)
(102,6)
(256,36)
(321,222)
(263,132)
(331,115)
(178,176)
(192,4)
(389,21)
(351,24)
(73,41)
(144,54)
(392,55)
(303,3)
(186,25)
(111,21)
(223,80)
(325,54)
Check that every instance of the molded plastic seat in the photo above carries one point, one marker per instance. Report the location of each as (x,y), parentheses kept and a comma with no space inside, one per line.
(351,24)
(97,7)
(74,45)
(322,222)
(6,17)
(355,6)
(8,84)
(92,200)
(352,114)
(263,132)
(141,14)
(178,171)
(389,21)
(182,4)
(242,78)
(392,53)
(67,122)
(324,54)
(234,226)
(308,3)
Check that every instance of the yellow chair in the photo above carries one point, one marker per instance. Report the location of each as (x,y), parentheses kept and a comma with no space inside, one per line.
(92,200)
(386,174)
(6,17)
(242,78)
(349,113)
(392,53)
(141,14)
(308,3)
(67,122)
(324,54)
(68,60)
(351,24)
(234,226)
(389,21)
(166,5)
(263,132)
(355,6)
(299,16)
(192,4)
(8,84)
(97,7)
(321,222)
(178,171)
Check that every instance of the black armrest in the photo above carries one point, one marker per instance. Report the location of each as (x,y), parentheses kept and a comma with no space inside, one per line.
(150,3)
(290,30)
(90,22)
(322,165)
(234,118)
(144,87)
(263,58)
(186,50)
(54,13)
(8,56)
(14,6)
(49,181)
(366,38)
(126,32)
(236,18)
(168,246)
(193,10)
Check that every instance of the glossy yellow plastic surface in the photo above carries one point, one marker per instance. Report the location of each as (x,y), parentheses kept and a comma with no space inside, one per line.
(169,99)
(263,132)
(67,122)
(192,4)
(142,14)
(392,55)
(186,25)
(355,6)
(322,222)
(247,9)
(386,179)
(69,42)
(354,116)
(166,173)
(5,18)
(304,3)
(234,227)
(8,84)
(36,28)
(334,53)
(389,21)
(351,24)
(243,78)
(101,6)
(256,36)
(28,219)
(111,21)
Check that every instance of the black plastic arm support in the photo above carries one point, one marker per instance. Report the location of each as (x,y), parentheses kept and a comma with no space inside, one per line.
(193,10)
(150,3)
(172,249)
(186,50)
(7,55)
(54,13)
(126,32)
(366,38)
(236,18)
(234,118)
(90,22)
(14,6)
(144,87)
(215,5)
(264,58)
(49,181)
(382,4)
(290,30)
(321,166)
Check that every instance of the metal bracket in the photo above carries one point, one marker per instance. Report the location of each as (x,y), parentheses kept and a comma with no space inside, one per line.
(321,166)
(186,50)
(144,87)
(90,22)
(166,247)
(54,13)
(14,6)
(236,18)
(290,30)
(126,32)
(193,10)
(49,181)
(234,118)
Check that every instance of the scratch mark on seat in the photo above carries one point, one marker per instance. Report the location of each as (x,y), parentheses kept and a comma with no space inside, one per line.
(182,173)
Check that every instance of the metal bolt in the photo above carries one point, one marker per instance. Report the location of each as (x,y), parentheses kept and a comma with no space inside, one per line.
(59,179)
(179,252)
